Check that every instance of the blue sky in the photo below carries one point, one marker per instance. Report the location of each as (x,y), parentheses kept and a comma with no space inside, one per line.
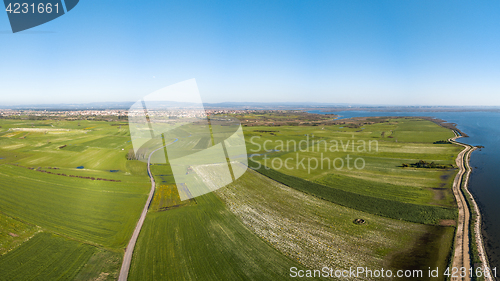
(369,52)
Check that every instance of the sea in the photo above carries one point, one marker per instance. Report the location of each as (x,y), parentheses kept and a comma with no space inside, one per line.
(483,128)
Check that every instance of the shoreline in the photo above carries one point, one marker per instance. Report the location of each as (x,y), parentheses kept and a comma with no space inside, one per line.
(462,240)
(483,257)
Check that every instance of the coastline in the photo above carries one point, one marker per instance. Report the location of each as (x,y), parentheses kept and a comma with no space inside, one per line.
(462,241)
(485,226)
(477,217)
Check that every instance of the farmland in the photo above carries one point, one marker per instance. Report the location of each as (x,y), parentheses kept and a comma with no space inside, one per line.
(96,212)
(387,145)
(315,231)
(70,180)
(379,206)
(62,259)
(68,185)
(13,232)
(204,241)
(51,257)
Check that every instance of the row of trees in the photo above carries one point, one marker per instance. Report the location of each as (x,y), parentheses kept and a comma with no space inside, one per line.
(132,156)
(425,164)
(441,142)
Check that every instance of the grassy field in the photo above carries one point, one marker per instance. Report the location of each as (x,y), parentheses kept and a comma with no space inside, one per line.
(104,213)
(57,195)
(102,265)
(381,148)
(316,232)
(14,232)
(45,257)
(72,180)
(371,188)
(204,242)
(374,205)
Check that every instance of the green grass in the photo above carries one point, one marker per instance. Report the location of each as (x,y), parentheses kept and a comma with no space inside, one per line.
(98,212)
(94,211)
(203,143)
(204,242)
(14,232)
(45,257)
(432,248)
(207,240)
(103,265)
(376,146)
(379,206)
(376,189)
(316,231)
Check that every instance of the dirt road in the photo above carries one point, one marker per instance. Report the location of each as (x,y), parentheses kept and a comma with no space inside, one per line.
(127,258)
(461,257)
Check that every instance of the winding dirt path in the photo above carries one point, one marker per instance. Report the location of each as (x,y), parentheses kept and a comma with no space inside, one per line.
(127,258)
(461,257)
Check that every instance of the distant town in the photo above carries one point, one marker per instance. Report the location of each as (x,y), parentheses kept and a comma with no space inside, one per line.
(176,113)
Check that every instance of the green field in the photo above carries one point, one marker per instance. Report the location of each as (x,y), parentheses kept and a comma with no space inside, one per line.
(383,148)
(103,265)
(375,205)
(200,239)
(52,257)
(69,200)
(13,232)
(103,213)
(204,242)
(72,179)
(315,231)
(45,257)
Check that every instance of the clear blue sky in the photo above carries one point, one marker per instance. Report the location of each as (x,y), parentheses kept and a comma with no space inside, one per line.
(376,52)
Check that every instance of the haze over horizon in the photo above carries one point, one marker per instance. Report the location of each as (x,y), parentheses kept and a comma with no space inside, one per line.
(353,52)
(125,105)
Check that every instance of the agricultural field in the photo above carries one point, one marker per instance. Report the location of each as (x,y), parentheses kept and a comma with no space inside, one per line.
(102,265)
(45,257)
(14,232)
(93,194)
(376,155)
(314,231)
(72,186)
(70,182)
(98,212)
(374,205)
(283,118)
(204,241)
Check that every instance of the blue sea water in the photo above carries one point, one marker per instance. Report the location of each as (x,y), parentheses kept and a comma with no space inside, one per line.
(483,129)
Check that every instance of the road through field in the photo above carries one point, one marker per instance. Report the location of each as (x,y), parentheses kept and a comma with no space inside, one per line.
(127,258)
(461,257)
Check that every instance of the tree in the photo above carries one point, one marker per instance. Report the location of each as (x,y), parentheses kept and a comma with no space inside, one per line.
(131,155)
